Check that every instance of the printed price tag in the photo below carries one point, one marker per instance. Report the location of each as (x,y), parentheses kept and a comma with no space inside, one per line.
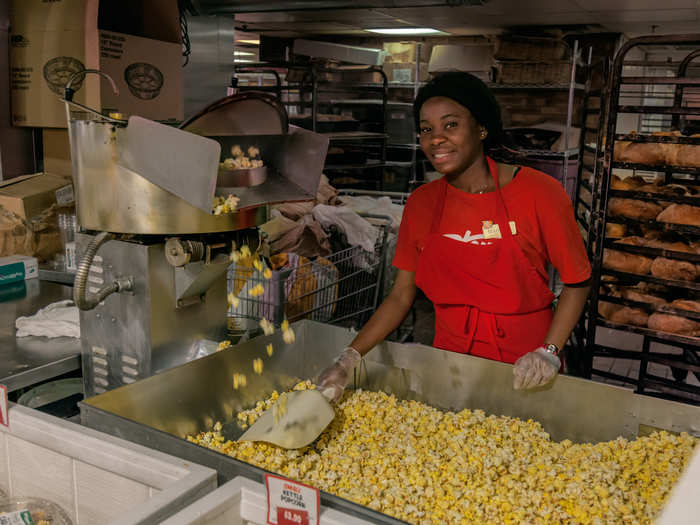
(20,517)
(291,503)
(4,412)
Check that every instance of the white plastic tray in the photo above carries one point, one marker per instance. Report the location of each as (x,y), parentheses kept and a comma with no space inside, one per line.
(94,477)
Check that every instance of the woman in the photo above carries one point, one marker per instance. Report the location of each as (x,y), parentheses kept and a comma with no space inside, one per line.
(478,242)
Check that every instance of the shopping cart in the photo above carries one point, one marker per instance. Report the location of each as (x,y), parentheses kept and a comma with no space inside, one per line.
(342,288)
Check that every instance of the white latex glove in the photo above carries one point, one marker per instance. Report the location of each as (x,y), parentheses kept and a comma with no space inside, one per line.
(333,380)
(535,369)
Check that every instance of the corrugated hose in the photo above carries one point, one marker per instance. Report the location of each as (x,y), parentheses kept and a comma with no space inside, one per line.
(80,297)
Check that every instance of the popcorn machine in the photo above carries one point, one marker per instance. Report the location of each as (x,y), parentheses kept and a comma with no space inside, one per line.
(151,278)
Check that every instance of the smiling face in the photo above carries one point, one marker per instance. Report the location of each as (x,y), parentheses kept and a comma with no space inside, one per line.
(450,136)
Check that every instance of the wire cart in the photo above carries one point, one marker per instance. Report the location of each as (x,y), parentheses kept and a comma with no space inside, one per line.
(658,103)
(343,288)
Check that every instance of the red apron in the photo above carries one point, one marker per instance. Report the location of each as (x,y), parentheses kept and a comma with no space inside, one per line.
(489,299)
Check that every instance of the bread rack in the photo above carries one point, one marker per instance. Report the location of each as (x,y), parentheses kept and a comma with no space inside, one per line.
(601,170)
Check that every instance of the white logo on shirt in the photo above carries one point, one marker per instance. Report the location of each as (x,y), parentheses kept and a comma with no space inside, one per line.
(468,238)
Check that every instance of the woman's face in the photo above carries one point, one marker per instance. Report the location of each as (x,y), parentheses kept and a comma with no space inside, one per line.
(449,135)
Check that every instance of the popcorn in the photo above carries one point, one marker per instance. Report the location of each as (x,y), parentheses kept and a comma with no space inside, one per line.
(427,466)
(267,327)
(258,366)
(233,300)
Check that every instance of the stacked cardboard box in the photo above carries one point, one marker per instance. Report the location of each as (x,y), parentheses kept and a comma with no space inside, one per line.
(406,62)
(531,60)
(136,43)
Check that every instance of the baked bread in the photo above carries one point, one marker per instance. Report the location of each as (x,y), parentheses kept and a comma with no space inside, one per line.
(640,152)
(633,209)
(680,214)
(673,269)
(615,231)
(674,323)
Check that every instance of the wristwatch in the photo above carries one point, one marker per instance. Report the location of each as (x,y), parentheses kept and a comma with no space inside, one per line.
(552,349)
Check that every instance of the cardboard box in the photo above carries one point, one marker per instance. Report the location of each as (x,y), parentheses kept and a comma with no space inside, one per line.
(28,197)
(405,73)
(137,45)
(57,152)
(475,59)
(402,52)
(18,268)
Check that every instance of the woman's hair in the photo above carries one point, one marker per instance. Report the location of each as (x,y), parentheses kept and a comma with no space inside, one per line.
(470,92)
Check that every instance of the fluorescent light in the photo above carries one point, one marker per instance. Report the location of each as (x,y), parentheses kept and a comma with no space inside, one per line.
(242,61)
(243,54)
(252,42)
(407,31)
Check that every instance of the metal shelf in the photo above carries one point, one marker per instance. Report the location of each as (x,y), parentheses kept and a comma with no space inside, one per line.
(655,167)
(662,139)
(354,135)
(686,285)
(559,87)
(661,336)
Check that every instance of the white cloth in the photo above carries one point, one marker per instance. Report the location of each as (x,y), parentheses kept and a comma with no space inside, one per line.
(59,319)
(375,206)
(358,231)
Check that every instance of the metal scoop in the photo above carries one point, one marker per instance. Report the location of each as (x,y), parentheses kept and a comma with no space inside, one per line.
(294,421)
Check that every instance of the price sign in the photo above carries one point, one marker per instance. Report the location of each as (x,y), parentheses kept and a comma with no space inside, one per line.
(291,503)
(4,413)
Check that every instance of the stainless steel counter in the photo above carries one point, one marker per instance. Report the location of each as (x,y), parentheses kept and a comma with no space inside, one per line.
(29,360)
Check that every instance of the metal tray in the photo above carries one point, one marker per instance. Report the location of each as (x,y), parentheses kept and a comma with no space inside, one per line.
(159,411)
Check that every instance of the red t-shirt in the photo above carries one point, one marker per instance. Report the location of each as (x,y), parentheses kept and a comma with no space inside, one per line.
(536,202)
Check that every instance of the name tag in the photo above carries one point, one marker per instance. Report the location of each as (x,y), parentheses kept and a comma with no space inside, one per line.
(491,230)
(512,227)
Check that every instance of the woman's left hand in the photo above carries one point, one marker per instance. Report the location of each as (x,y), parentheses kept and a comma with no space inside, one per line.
(535,369)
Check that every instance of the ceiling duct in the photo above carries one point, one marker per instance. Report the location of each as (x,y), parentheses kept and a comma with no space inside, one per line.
(232,7)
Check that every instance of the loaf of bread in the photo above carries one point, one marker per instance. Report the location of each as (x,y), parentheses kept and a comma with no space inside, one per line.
(626,314)
(615,231)
(677,246)
(640,152)
(674,270)
(627,183)
(676,324)
(654,153)
(633,209)
(618,313)
(680,214)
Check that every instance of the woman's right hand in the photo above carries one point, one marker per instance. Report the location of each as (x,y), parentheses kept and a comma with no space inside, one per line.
(332,381)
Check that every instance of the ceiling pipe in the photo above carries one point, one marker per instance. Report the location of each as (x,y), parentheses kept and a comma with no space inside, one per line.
(247,6)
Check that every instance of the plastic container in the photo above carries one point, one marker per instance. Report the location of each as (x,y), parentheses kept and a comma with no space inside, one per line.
(41,510)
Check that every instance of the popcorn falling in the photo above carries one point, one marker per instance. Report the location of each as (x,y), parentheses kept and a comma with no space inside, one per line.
(233,300)
(287,332)
(258,366)
(269,350)
(256,290)
(239,381)
(222,345)
(267,274)
(267,327)
(257,264)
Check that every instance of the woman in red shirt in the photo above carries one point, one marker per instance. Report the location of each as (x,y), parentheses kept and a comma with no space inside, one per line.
(478,242)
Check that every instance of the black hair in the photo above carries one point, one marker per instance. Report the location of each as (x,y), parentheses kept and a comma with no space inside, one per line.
(470,92)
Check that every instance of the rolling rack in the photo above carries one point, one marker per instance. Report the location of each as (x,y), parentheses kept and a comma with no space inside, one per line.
(688,359)
(339,92)
(589,169)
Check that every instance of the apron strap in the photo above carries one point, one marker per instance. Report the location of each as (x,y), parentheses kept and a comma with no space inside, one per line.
(439,208)
(505,219)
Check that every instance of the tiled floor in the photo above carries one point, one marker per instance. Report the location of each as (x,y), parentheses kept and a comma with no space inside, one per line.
(424,330)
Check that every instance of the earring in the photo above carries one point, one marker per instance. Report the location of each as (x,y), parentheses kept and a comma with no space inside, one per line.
(483,135)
